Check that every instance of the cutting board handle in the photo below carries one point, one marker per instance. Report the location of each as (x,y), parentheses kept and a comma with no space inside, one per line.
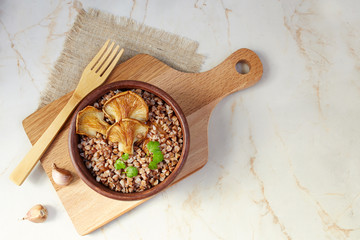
(229,80)
(220,81)
(243,55)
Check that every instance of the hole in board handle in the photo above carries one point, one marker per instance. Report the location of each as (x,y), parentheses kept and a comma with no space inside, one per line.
(242,67)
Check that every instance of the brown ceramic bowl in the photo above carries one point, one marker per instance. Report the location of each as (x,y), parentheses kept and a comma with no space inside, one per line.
(85,174)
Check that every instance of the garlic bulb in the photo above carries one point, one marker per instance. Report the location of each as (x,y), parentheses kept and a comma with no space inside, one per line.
(61,176)
(36,214)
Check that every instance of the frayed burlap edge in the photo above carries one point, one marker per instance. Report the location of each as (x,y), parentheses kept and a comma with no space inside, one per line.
(89,32)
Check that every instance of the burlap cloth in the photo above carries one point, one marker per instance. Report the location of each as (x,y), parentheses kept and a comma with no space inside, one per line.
(90,31)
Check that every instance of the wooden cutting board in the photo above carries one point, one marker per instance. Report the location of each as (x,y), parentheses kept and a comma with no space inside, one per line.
(196,93)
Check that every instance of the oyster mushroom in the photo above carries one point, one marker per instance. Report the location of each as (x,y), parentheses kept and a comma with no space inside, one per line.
(90,121)
(126,105)
(126,133)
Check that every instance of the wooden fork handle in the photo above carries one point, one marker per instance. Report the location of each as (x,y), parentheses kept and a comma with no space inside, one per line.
(26,165)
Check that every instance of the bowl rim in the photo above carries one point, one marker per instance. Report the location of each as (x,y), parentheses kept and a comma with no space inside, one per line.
(73,140)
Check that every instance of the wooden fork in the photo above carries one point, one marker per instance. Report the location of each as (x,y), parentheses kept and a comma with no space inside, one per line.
(95,73)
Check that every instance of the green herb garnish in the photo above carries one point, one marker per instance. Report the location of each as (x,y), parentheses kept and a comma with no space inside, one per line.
(157,155)
(153,165)
(153,146)
(131,171)
(125,156)
(119,164)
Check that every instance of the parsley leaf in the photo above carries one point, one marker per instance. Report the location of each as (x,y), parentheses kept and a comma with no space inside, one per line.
(125,156)
(119,164)
(152,146)
(158,156)
(153,165)
(131,171)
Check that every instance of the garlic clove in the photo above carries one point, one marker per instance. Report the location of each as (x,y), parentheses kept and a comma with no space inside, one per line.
(61,176)
(36,214)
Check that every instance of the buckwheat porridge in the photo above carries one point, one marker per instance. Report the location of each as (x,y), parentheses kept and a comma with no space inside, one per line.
(136,142)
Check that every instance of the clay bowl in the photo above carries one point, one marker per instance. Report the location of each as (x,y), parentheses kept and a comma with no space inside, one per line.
(74,139)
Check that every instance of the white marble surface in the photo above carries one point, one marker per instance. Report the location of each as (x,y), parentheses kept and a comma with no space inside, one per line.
(284,155)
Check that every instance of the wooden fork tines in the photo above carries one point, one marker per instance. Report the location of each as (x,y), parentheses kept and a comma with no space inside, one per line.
(95,74)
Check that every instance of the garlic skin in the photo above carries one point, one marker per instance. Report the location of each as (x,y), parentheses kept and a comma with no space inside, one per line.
(61,176)
(36,214)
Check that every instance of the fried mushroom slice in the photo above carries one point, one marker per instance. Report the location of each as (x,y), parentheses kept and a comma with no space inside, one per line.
(126,105)
(126,133)
(90,121)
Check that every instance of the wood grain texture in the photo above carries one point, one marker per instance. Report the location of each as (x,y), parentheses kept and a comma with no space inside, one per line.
(196,93)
